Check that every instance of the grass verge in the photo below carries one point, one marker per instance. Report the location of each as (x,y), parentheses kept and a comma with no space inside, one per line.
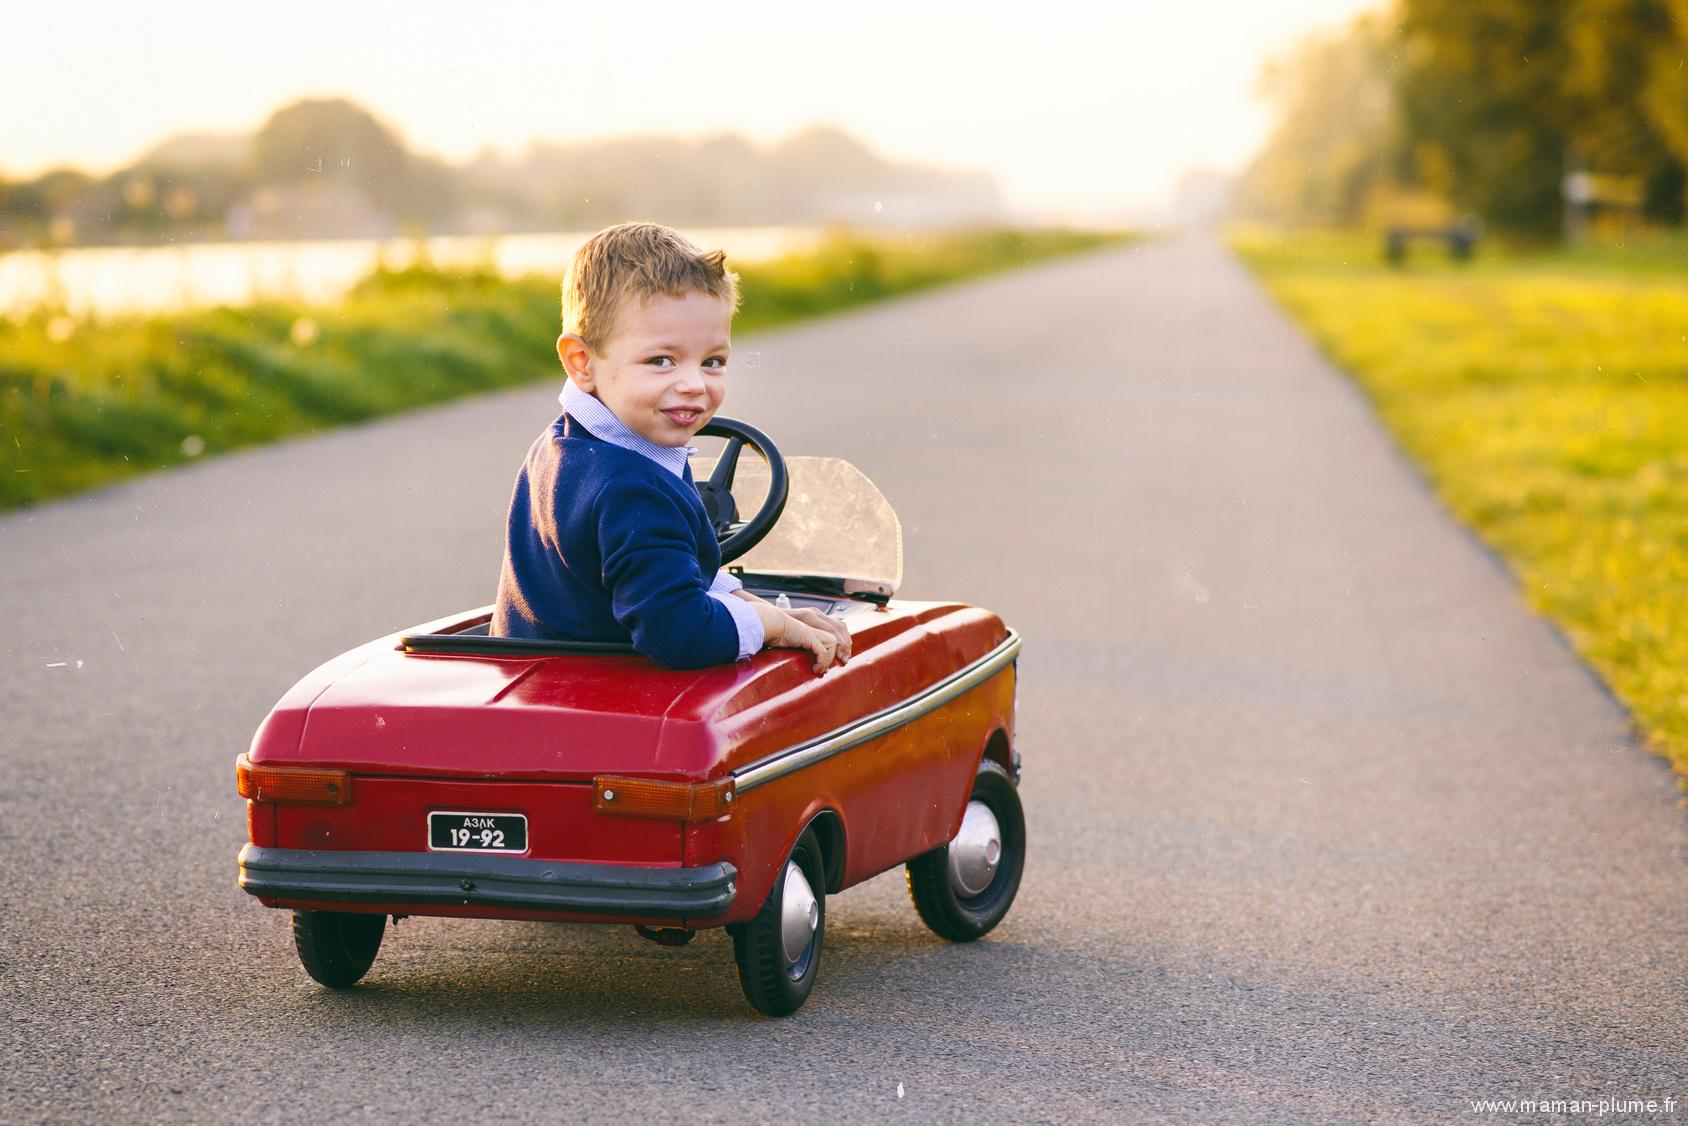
(1546,396)
(83,403)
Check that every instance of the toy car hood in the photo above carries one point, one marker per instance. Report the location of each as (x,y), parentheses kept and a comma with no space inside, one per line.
(384,709)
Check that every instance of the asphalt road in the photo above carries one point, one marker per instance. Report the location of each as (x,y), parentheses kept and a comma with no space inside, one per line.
(1324,824)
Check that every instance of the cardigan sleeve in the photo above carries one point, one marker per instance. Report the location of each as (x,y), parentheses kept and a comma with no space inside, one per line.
(658,593)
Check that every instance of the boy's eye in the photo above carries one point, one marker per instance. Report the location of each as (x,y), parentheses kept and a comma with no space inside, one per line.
(716,363)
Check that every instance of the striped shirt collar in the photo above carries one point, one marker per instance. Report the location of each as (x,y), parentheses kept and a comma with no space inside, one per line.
(591,413)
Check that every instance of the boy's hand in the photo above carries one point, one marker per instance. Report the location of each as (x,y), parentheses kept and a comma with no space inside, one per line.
(826,638)
(817,620)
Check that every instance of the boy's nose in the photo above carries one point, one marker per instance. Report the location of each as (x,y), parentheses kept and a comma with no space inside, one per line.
(691,379)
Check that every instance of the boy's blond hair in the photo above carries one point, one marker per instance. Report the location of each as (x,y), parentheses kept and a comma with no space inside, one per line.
(633,261)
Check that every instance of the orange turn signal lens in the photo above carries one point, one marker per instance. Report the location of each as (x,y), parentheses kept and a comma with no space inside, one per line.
(665,801)
(292,785)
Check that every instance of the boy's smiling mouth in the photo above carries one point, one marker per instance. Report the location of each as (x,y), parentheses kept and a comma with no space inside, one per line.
(683,416)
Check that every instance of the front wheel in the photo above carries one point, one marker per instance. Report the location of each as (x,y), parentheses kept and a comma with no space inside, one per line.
(337,947)
(965,887)
(779,951)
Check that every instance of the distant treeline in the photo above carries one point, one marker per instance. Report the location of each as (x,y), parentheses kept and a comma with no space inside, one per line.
(329,168)
(1500,108)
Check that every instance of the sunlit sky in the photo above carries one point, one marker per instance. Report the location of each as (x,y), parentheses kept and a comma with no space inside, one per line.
(1072,107)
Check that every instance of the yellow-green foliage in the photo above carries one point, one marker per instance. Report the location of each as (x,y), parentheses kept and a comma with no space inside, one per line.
(1546,395)
(86,403)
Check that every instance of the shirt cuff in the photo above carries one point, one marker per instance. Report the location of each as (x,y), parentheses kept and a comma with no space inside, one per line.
(725,583)
(750,634)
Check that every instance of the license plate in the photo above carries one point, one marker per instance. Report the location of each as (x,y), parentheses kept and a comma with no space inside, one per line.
(477,832)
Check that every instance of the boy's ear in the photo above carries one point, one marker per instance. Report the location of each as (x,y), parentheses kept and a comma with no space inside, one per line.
(577,360)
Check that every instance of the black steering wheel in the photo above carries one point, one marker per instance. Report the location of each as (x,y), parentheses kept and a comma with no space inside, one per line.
(739,536)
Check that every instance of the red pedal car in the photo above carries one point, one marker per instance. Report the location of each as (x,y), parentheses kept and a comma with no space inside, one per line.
(446,772)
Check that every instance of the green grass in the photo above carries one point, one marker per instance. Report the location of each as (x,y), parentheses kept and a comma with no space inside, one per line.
(1546,396)
(86,403)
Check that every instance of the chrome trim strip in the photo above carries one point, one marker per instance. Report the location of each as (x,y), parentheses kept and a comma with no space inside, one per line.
(834,742)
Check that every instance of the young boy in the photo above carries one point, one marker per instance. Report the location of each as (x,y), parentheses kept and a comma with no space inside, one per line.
(607,538)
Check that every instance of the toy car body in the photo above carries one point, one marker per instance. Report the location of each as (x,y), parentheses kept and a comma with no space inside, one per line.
(445,772)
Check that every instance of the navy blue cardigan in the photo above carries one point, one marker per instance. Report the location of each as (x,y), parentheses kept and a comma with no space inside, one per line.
(605,545)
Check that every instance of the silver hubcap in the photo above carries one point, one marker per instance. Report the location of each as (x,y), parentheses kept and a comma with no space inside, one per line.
(975,851)
(799,913)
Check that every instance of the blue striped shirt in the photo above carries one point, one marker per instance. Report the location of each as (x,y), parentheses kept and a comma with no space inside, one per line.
(602,422)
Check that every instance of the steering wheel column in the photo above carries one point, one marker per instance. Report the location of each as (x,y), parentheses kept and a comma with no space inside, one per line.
(739,536)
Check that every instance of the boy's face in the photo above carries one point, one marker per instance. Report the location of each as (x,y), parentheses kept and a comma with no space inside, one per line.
(664,372)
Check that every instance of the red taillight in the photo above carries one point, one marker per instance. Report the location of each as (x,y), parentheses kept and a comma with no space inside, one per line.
(664,801)
(292,785)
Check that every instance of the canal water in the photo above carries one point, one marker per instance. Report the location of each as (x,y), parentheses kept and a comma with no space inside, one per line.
(123,279)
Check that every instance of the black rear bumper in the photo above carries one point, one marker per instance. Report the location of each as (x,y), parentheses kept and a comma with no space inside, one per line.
(488,881)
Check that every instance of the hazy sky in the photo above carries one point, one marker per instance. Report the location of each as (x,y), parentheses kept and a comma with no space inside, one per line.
(1069,106)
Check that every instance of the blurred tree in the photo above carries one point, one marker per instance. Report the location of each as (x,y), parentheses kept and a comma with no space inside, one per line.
(335,142)
(22,202)
(1512,95)
(1620,51)
(1664,99)
(1480,92)
(1338,134)
(59,189)
(63,200)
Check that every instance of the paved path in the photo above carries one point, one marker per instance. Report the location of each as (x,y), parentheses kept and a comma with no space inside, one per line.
(1324,824)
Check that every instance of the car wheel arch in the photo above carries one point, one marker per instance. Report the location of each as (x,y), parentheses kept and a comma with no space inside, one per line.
(829,833)
(998,751)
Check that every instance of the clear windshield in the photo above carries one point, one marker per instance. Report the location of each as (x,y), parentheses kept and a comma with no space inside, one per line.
(836,524)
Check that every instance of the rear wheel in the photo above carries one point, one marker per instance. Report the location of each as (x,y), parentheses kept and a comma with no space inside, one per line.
(964,888)
(337,947)
(779,951)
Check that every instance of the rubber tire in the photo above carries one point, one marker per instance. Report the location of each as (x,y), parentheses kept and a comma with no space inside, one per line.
(337,947)
(763,970)
(963,920)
